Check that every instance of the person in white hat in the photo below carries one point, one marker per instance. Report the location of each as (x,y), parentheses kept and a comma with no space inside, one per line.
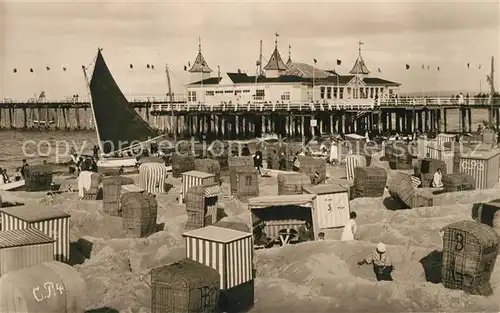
(382,265)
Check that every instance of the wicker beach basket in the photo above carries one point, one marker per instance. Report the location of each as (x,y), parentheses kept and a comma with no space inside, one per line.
(139,212)
(369,182)
(247,182)
(181,164)
(470,250)
(401,188)
(195,207)
(237,163)
(38,177)
(426,168)
(292,183)
(95,185)
(111,191)
(311,165)
(184,287)
(208,166)
(488,214)
(458,182)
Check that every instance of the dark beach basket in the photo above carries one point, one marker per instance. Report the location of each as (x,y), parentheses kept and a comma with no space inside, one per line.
(470,250)
(247,182)
(38,177)
(292,183)
(369,182)
(401,188)
(458,182)
(181,164)
(208,166)
(184,287)
(139,213)
(311,165)
(111,191)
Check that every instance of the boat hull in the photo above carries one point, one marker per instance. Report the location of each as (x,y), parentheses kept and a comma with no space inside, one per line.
(118,162)
(13,185)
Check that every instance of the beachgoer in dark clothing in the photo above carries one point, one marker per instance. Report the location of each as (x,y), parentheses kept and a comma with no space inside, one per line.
(296,163)
(6,178)
(275,161)
(282,162)
(306,232)
(257,161)
(96,152)
(23,168)
(18,175)
(246,151)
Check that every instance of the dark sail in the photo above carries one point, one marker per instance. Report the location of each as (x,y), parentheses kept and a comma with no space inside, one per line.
(118,124)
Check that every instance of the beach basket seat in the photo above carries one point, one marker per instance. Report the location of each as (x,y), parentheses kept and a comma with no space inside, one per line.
(458,182)
(181,164)
(351,162)
(470,250)
(247,182)
(152,177)
(38,177)
(208,166)
(311,165)
(139,213)
(292,183)
(95,185)
(202,206)
(401,188)
(111,192)
(369,182)
(184,287)
(238,163)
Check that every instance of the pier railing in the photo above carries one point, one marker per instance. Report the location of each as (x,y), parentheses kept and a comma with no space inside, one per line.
(161,104)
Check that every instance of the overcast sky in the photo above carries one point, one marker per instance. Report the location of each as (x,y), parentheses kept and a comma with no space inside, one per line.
(67,33)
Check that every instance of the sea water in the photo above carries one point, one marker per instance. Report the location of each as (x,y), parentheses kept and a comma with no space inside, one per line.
(54,146)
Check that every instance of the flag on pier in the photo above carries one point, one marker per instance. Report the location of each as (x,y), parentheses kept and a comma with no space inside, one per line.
(47,68)
(131,66)
(339,62)
(15,70)
(147,65)
(488,79)
(64,69)
(379,70)
(468,65)
(438,68)
(152,67)
(407,66)
(185,68)
(31,70)
(315,61)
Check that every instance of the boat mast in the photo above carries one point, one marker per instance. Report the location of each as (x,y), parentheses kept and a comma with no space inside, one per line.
(167,72)
(87,85)
(492,90)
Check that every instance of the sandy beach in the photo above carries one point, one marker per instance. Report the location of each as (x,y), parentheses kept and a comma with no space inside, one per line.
(320,276)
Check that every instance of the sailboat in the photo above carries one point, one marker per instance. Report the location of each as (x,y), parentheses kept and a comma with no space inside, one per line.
(118,127)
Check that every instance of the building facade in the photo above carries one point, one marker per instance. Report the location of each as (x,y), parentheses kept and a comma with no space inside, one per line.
(290,83)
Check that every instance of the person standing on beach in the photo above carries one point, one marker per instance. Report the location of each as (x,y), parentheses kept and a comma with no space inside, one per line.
(257,160)
(245,151)
(382,265)
(96,152)
(282,162)
(23,168)
(350,229)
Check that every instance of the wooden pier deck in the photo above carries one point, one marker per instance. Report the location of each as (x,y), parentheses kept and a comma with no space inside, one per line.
(237,120)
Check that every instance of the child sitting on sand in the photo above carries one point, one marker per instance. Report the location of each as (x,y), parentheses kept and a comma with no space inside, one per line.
(18,175)
(382,265)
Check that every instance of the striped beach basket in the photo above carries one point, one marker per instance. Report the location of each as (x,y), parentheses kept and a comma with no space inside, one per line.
(194,178)
(352,161)
(152,177)
(53,223)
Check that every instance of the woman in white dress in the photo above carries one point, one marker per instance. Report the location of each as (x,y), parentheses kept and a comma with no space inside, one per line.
(350,229)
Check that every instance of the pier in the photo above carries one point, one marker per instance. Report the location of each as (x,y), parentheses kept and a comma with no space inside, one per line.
(237,120)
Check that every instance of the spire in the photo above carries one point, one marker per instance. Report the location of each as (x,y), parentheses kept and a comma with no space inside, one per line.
(360,66)
(200,65)
(289,56)
(275,61)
